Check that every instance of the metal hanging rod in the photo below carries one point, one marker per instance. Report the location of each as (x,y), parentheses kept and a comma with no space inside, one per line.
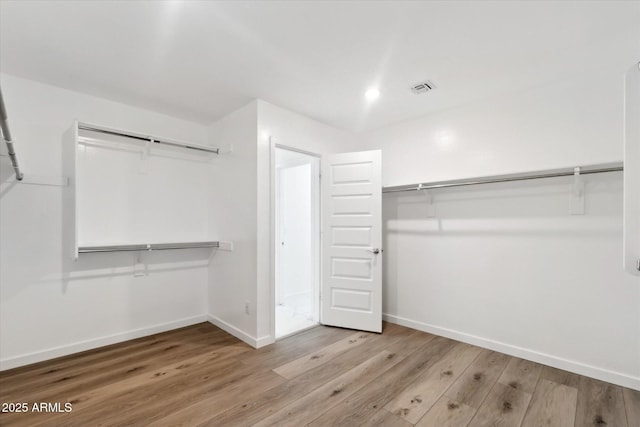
(584,170)
(147,247)
(146,138)
(6,135)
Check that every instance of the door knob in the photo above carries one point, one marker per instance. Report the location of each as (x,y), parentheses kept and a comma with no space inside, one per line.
(374,251)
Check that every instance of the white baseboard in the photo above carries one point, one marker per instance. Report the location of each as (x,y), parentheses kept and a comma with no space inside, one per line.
(524,353)
(240,334)
(65,350)
(265,340)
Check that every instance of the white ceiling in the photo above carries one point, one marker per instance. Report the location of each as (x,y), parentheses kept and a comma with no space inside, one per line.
(200,60)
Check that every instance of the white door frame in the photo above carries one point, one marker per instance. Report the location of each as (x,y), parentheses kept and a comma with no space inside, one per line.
(317,211)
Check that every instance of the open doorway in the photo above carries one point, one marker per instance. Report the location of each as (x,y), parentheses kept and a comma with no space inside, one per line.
(297,220)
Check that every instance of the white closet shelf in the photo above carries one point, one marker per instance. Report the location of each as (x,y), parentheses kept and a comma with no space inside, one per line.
(147,138)
(582,170)
(147,247)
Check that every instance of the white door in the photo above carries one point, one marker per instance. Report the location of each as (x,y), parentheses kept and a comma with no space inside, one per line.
(351,289)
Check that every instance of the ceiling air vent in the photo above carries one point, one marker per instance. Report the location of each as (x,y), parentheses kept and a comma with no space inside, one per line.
(422,87)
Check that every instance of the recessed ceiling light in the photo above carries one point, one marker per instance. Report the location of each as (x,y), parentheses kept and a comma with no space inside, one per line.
(372,94)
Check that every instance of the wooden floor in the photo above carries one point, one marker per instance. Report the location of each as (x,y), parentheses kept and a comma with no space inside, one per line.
(200,375)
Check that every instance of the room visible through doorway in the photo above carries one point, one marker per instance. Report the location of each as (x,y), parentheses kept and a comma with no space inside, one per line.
(297,241)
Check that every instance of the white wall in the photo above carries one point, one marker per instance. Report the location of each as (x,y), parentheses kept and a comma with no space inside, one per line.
(126,194)
(572,122)
(232,279)
(506,266)
(50,305)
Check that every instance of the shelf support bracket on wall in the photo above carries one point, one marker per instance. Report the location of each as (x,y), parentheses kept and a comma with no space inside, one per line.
(577,195)
(431,207)
(144,156)
(139,267)
(147,149)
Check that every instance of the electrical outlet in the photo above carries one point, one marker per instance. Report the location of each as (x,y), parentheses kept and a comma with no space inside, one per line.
(246,307)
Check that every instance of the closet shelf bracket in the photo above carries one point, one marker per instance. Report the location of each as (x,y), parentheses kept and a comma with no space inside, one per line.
(431,206)
(577,196)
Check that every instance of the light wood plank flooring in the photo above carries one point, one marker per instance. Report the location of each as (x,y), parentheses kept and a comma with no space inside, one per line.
(202,376)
